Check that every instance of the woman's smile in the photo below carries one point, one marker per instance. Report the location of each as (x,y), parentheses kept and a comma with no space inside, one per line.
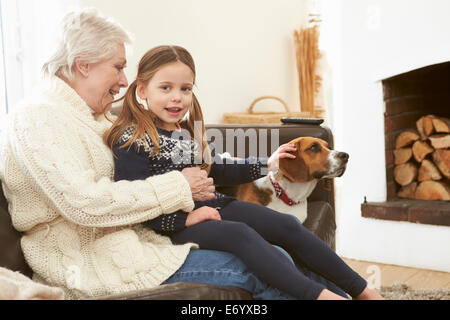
(113,93)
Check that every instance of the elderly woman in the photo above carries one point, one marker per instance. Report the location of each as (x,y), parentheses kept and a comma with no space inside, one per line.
(82,231)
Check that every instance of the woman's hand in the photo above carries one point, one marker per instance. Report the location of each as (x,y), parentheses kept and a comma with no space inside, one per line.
(280,153)
(202,214)
(202,187)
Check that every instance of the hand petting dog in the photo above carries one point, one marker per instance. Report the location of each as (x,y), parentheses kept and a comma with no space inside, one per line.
(282,152)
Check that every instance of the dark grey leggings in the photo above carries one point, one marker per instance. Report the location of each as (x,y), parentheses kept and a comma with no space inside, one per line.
(248,231)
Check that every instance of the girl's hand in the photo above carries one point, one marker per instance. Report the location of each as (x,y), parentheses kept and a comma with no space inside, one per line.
(202,214)
(282,152)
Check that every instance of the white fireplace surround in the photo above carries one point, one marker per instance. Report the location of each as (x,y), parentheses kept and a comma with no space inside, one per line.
(367,41)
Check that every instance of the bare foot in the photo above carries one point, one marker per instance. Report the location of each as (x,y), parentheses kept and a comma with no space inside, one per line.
(369,294)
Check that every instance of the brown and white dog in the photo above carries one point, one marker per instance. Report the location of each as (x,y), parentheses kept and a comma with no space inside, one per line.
(287,190)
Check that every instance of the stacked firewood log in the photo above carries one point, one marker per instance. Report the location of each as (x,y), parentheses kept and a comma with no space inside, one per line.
(422,160)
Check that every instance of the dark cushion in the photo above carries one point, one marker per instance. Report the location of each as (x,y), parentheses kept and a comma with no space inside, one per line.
(10,251)
(321,221)
(286,133)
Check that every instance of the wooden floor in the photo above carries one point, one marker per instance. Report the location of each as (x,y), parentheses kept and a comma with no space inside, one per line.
(390,274)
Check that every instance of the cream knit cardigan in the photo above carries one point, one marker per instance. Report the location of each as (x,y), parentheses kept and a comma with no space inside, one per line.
(81,229)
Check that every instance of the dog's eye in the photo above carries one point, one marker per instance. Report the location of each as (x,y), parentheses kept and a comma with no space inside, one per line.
(315,148)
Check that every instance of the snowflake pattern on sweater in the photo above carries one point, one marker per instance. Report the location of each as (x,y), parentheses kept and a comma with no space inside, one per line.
(177,151)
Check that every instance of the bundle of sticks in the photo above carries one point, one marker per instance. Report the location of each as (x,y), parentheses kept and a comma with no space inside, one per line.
(307,54)
(422,160)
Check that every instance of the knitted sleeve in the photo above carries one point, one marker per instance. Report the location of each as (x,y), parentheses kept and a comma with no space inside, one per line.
(168,223)
(49,148)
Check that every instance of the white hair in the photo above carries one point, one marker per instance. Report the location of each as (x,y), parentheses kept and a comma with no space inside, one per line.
(87,35)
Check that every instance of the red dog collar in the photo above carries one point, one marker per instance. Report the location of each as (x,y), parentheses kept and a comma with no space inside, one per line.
(280,193)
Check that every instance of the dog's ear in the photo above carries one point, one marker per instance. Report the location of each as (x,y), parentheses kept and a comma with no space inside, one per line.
(296,169)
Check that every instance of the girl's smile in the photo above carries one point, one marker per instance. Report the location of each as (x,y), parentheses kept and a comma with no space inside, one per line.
(169,94)
(174,111)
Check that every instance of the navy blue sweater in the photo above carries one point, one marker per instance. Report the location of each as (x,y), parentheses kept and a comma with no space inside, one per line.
(138,162)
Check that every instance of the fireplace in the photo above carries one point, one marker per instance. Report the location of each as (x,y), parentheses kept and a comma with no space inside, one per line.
(408,97)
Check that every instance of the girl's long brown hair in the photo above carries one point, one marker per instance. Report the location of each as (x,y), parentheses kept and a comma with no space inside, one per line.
(134,114)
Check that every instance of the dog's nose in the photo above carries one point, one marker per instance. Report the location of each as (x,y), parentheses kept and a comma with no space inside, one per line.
(343,156)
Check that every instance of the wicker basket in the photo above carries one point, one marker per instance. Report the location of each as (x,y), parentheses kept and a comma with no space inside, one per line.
(251,117)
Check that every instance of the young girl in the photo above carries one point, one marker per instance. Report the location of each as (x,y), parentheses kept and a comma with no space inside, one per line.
(144,141)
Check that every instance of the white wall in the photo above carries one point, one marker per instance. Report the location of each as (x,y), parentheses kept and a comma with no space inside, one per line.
(377,39)
(242,49)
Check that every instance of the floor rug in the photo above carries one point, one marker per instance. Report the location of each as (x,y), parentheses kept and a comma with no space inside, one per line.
(403,292)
